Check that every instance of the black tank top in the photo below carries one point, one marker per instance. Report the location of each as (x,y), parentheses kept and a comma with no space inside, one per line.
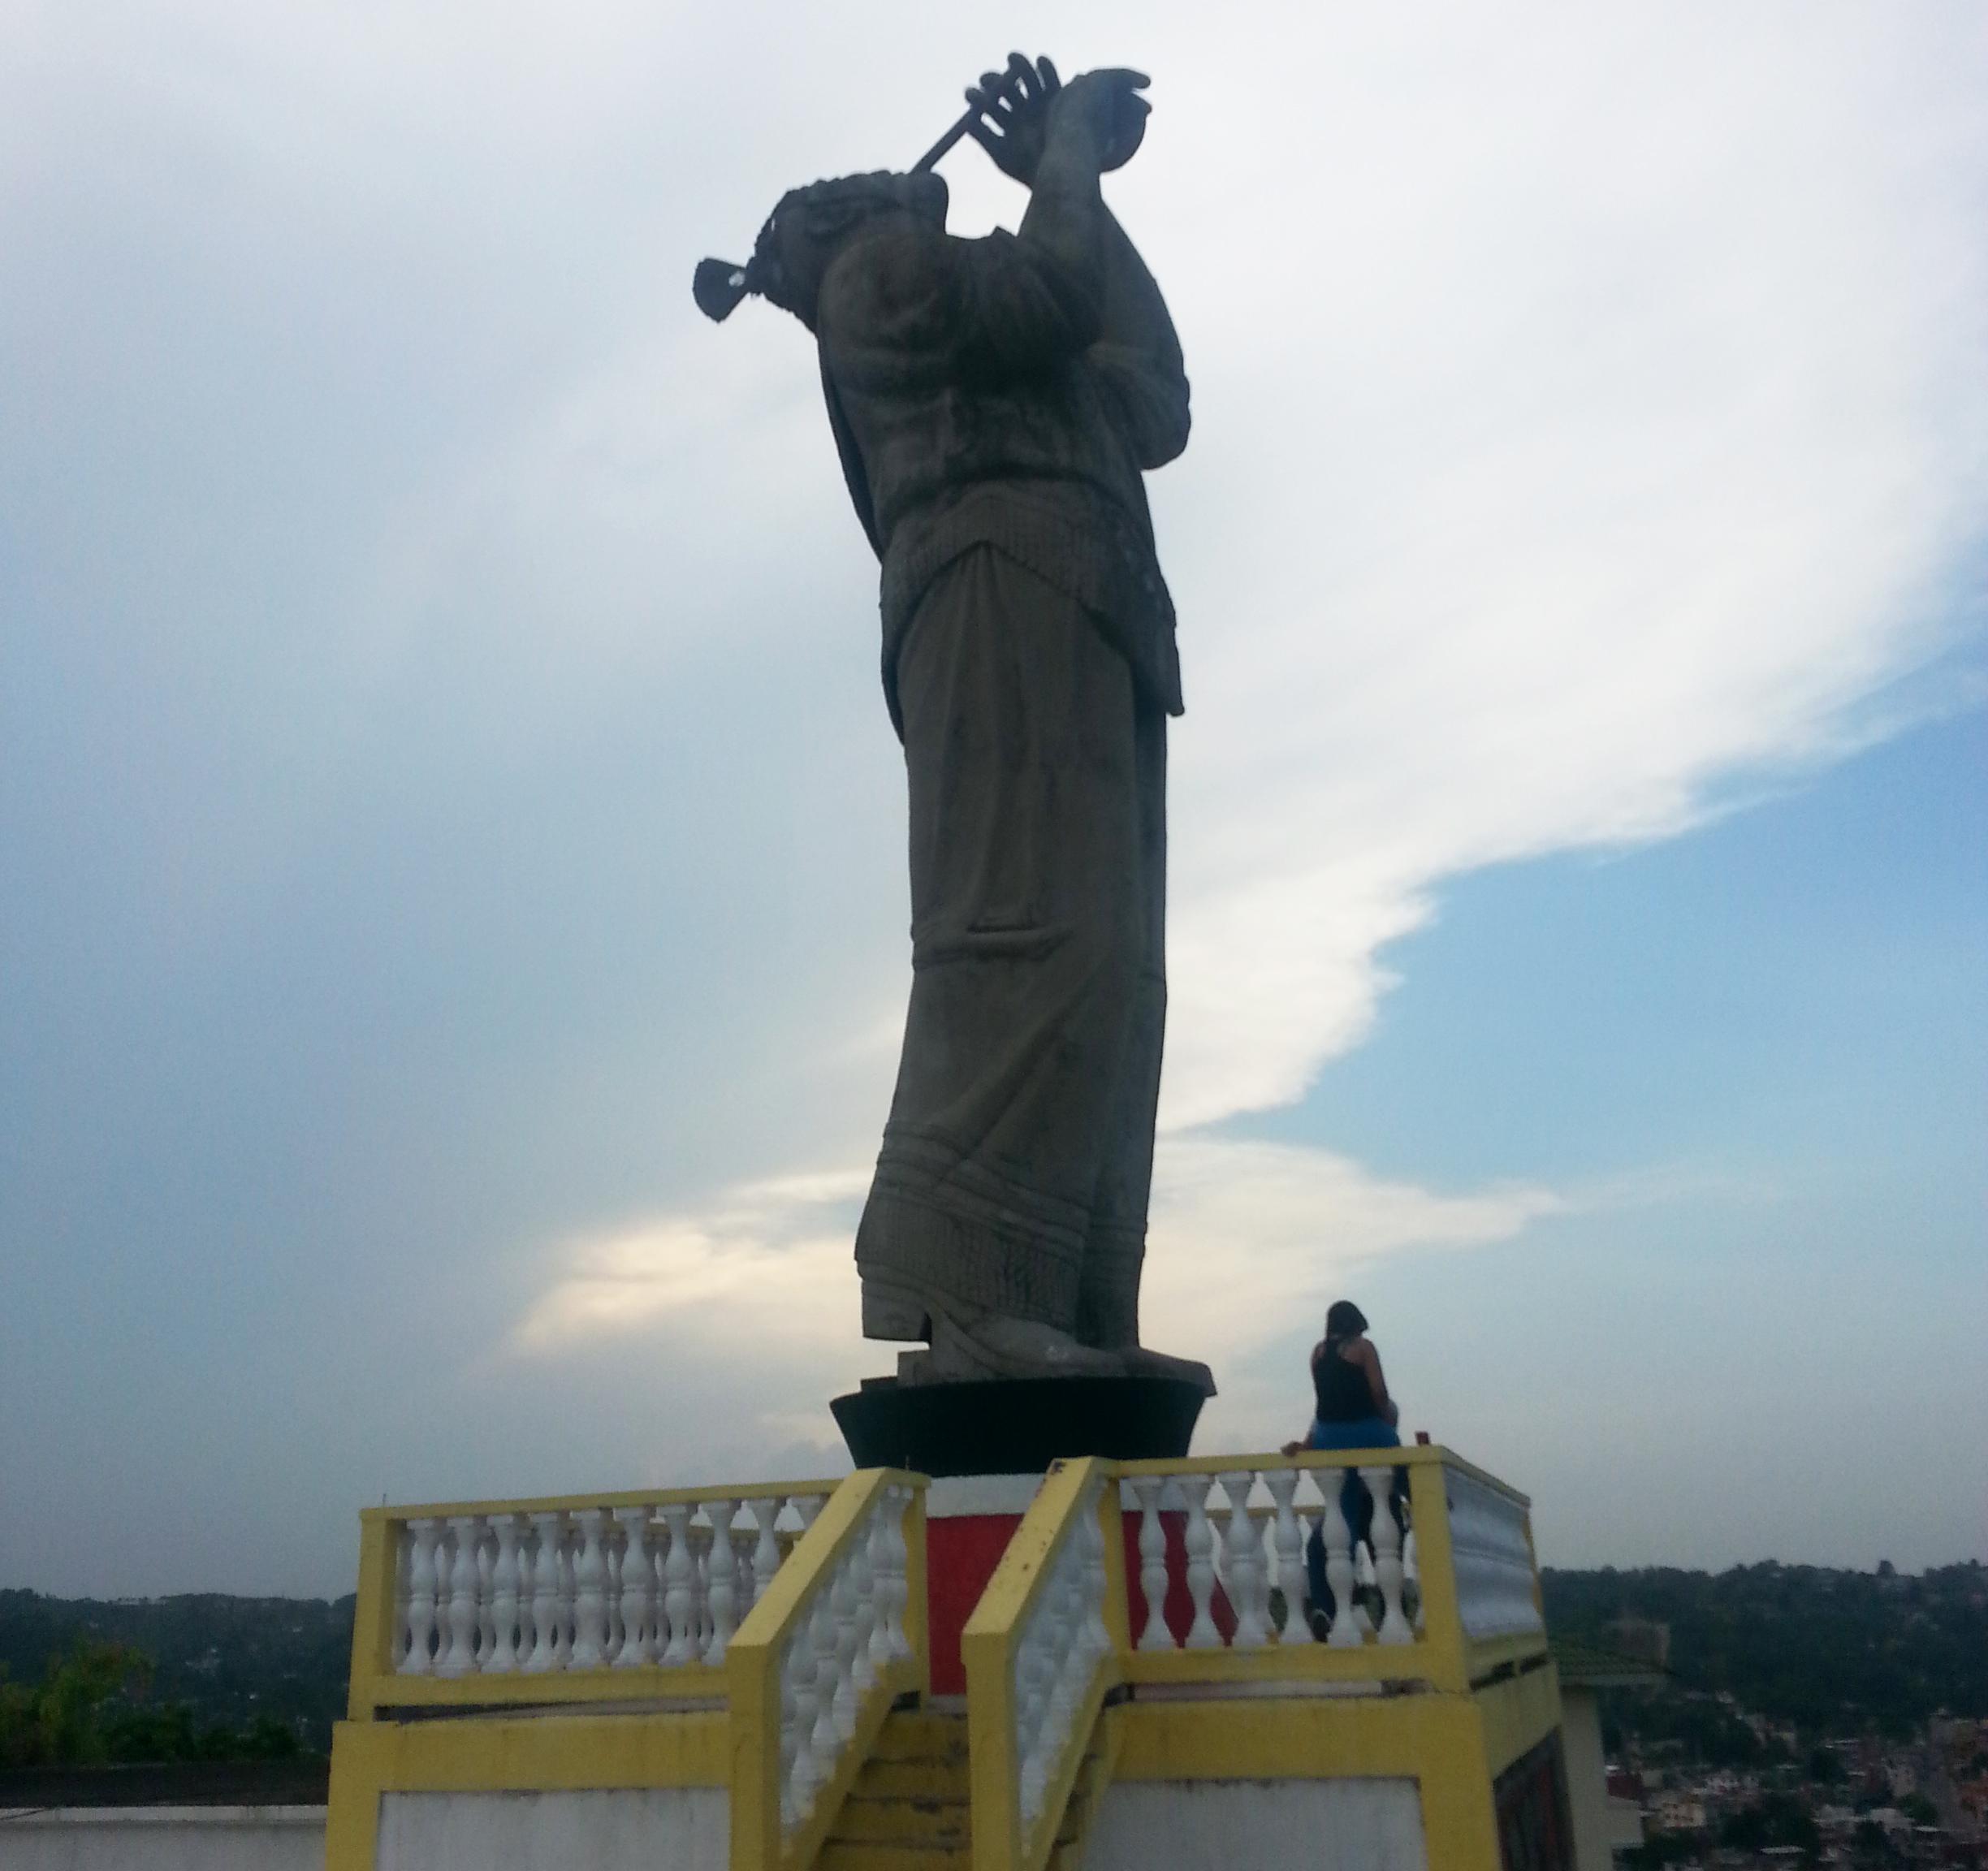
(1341,1388)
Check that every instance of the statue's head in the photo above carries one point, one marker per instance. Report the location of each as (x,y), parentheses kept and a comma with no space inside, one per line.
(810,226)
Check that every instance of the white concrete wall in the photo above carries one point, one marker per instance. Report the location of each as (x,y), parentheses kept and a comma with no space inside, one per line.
(1596,1827)
(164,1838)
(670,1828)
(1216,1825)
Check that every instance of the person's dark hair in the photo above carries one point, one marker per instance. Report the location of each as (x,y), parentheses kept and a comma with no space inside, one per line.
(1344,1319)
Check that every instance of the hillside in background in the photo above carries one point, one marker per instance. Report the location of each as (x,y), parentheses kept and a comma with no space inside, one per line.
(1832,1652)
(230,1663)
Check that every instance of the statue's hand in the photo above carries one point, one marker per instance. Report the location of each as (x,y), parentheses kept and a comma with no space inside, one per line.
(1012,119)
(1111,110)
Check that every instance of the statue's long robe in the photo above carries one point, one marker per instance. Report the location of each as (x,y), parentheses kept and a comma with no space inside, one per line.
(995,402)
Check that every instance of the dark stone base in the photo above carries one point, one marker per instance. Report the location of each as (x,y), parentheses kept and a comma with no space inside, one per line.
(1016,1425)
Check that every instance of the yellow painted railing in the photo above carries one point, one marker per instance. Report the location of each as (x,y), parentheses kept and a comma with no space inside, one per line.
(1444,1597)
(835,1639)
(1453,1574)
(493,1604)
(1043,1648)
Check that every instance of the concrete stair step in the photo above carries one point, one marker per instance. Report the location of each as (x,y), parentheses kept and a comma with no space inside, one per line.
(909,1820)
(913,1780)
(876,1855)
(919,1734)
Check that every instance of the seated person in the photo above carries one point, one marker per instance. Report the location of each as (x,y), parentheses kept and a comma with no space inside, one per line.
(1352,1410)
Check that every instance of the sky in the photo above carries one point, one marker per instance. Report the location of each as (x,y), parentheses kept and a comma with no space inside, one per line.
(453,942)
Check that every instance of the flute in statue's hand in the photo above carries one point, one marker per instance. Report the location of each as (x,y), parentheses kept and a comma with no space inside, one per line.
(1013,110)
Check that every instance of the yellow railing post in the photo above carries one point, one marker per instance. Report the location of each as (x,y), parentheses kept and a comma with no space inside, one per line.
(987,1647)
(1442,1624)
(753,1673)
(373,1616)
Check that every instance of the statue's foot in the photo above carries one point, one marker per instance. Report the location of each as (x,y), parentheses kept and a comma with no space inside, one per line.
(969,1345)
(891,1311)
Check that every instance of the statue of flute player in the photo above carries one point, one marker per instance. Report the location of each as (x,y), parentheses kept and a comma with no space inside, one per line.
(994,403)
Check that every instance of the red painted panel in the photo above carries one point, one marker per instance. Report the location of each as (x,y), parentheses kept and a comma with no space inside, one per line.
(1178,1610)
(961,1553)
(962,1550)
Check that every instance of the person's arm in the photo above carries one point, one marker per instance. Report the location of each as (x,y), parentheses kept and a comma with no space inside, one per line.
(1369,1360)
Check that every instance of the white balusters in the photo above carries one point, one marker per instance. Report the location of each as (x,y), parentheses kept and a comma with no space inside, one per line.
(1233,1572)
(1493,1559)
(1287,1540)
(843,1606)
(502,1655)
(797,1719)
(1387,1564)
(1249,1591)
(589,1644)
(1338,1540)
(822,1741)
(1154,1635)
(1035,1677)
(1363,1584)
(1202,1635)
(402,1538)
(899,1500)
(841,1646)
(887,1590)
(679,1607)
(722,1594)
(533,1592)
(487,1615)
(1058,1648)
(545,1594)
(423,1583)
(637,1591)
(1095,1636)
(611,1544)
(563,1621)
(862,1669)
(460,1658)
(766,1549)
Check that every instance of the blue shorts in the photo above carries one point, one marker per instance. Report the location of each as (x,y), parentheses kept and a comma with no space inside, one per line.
(1368,1432)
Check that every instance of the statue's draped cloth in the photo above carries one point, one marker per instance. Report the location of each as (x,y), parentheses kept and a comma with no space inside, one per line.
(994,443)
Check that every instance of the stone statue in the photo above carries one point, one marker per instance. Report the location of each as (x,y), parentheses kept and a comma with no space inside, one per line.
(994,403)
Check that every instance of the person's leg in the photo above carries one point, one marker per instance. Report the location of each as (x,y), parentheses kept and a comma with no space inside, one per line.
(1020,755)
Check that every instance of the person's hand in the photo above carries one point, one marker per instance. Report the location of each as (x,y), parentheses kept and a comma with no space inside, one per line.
(1011,114)
(1291,1449)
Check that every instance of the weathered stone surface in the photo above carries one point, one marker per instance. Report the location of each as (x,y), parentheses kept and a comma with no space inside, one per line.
(996,403)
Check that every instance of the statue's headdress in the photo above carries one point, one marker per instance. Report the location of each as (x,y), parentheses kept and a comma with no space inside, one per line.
(827,212)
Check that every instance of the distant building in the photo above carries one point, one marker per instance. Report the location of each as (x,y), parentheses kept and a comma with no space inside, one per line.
(1645,1640)
(1605,1820)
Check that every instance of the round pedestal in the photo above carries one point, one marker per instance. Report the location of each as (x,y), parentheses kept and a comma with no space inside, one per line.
(1013,1426)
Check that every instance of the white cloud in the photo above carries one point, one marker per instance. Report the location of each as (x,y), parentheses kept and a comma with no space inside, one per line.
(1249,1241)
(441,708)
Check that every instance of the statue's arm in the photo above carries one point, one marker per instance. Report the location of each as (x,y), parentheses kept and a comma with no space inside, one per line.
(1138,353)
(1131,339)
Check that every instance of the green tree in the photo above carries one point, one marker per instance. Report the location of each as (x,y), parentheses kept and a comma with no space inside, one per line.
(58,1721)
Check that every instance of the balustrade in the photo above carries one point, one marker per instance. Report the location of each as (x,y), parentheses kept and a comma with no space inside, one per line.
(519,1591)
(839,1648)
(1491,1556)
(1244,1536)
(1061,1642)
